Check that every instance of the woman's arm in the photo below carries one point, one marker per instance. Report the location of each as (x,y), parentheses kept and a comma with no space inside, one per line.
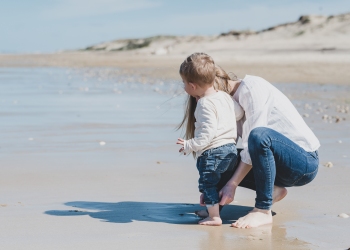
(227,193)
(256,99)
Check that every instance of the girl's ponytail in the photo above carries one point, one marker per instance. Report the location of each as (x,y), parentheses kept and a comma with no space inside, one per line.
(189,119)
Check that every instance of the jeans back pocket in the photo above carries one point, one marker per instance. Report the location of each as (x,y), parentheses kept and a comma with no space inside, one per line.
(223,162)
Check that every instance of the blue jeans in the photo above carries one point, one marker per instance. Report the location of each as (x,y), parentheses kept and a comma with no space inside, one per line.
(211,165)
(278,161)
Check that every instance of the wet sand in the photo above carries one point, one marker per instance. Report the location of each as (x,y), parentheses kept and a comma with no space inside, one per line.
(61,188)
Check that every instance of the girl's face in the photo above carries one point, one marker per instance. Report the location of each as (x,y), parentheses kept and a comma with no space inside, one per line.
(190,88)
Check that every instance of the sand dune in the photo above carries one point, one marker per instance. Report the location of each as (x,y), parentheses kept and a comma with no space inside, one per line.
(308,33)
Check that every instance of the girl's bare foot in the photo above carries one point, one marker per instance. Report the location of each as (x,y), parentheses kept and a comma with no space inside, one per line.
(255,218)
(202,213)
(278,193)
(215,221)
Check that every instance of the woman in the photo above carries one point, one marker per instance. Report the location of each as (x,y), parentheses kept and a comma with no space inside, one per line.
(279,149)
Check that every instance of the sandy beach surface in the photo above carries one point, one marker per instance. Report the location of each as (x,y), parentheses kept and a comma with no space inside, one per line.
(283,66)
(88,154)
(89,161)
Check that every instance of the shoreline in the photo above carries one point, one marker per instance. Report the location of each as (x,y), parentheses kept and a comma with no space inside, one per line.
(275,66)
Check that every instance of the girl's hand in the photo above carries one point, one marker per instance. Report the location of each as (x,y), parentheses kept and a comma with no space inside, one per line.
(181,142)
(181,150)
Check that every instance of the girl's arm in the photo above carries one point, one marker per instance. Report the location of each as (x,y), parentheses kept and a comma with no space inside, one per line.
(206,127)
(227,193)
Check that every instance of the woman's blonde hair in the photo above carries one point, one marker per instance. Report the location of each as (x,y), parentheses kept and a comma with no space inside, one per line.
(200,68)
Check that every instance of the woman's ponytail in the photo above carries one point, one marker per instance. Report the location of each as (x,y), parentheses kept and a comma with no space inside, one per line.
(221,80)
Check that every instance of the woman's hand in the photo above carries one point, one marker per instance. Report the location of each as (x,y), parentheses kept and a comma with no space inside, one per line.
(227,194)
(201,200)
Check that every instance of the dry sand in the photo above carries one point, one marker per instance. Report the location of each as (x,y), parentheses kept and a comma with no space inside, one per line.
(283,66)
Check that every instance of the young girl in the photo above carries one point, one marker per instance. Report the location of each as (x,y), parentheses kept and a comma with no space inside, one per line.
(210,129)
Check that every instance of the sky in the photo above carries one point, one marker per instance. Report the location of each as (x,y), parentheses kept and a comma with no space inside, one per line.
(41,26)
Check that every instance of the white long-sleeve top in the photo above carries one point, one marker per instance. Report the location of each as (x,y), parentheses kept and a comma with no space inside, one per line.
(266,106)
(215,124)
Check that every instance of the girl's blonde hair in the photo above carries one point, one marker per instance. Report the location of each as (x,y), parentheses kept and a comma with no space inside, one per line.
(200,68)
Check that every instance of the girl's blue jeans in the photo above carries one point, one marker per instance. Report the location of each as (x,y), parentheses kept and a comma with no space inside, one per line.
(211,165)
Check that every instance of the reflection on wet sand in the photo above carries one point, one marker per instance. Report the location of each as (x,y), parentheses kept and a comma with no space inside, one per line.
(265,237)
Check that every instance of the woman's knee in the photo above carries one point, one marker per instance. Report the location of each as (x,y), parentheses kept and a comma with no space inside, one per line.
(258,136)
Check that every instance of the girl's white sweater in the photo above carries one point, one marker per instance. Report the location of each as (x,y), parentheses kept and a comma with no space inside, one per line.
(215,124)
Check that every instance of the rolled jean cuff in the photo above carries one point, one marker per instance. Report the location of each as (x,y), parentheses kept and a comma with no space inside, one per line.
(262,207)
(210,205)
(211,200)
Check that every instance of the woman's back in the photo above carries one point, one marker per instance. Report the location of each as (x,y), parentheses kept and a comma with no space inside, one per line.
(266,106)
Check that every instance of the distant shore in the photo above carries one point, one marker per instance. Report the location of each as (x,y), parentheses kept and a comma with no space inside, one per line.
(324,67)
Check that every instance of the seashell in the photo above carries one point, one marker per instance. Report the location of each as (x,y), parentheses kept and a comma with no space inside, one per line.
(343,215)
(328,164)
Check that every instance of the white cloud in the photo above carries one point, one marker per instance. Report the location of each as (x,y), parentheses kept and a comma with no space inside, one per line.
(84,8)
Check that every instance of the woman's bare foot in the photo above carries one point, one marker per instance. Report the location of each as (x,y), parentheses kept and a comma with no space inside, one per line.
(202,213)
(255,218)
(278,193)
(215,221)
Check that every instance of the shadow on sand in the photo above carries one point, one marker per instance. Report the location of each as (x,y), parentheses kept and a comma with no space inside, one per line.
(129,211)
